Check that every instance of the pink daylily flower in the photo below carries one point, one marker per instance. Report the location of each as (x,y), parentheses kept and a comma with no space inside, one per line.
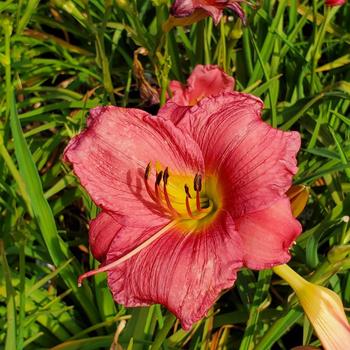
(213,8)
(204,81)
(185,206)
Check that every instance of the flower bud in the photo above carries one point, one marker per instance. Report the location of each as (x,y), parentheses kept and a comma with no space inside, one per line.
(323,308)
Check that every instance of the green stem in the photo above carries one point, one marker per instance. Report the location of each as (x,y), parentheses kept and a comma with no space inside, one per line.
(22,295)
(258,305)
(107,80)
(169,321)
(200,42)
(10,343)
(207,40)
(267,77)
(247,52)
(222,57)
(16,175)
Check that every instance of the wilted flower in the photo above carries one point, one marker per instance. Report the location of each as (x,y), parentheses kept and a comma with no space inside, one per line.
(204,81)
(185,206)
(332,3)
(323,308)
(213,8)
(148,93)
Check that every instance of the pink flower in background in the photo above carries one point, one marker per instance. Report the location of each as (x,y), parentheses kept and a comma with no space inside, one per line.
(185,206)
(213,8)
(204,81)
(332,3)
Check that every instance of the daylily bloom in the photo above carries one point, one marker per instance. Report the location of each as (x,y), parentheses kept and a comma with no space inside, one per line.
(332,3)
(204,81)
(323,308)
(199,9)
(185,206)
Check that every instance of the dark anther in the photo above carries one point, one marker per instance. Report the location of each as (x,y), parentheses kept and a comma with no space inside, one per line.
(159,177)
(166,176)
(197,184)
(148,170)
(187,190)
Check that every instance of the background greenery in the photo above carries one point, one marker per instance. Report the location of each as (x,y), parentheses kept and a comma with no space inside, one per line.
(59,59)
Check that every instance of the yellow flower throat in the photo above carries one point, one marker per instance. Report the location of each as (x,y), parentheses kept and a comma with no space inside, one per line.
(191,201)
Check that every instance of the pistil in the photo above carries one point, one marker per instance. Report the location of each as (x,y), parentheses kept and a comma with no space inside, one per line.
(135,251)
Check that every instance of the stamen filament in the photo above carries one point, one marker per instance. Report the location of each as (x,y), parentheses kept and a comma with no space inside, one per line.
(148,188)
(189,211)
(188,207)
(135,251)
(198,202)
(161,196)
(149,191)
(165,191)
(167,199)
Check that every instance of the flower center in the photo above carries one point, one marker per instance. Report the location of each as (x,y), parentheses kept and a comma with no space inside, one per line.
(189,201)
(186,199)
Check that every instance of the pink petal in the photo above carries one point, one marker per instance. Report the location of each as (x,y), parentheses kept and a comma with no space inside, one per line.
(267,235)
(208,80)
(184,271)
(204,81)
(253,161)
(172,111)
(179,93)
(102,231)
(176,107)
(111,155)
